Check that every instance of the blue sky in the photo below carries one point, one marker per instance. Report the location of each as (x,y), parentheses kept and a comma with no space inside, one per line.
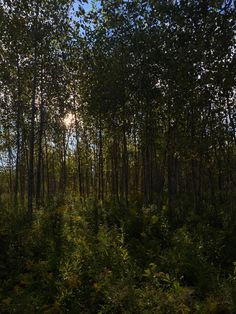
(87,6)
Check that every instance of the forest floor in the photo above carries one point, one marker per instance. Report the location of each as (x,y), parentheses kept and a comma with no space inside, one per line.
(107,259)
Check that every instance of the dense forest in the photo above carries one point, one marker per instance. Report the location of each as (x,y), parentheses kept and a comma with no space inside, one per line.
(117,156)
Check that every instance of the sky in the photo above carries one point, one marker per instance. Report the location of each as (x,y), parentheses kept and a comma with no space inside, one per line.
(87,6)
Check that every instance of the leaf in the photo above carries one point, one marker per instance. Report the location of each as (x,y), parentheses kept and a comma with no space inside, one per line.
(154,219)
(7,301)
(18,290)
(97,286)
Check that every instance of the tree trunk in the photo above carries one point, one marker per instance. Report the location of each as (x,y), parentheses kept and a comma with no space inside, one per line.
(32,123)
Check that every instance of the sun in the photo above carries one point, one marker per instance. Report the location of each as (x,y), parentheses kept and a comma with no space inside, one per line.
(69,120)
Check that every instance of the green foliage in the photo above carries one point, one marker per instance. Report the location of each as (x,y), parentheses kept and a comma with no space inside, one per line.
(62,265)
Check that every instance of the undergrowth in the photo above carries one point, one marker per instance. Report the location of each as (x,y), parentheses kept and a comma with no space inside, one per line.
(99,259)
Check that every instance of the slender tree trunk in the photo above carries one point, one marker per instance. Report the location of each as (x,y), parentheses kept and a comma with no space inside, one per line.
(125,166)
(32,123)
(16,187)
(63,176)
(40,154)
(101,176)
(114,174)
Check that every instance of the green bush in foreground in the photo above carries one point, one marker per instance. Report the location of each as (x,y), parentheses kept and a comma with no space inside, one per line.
(64,264)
